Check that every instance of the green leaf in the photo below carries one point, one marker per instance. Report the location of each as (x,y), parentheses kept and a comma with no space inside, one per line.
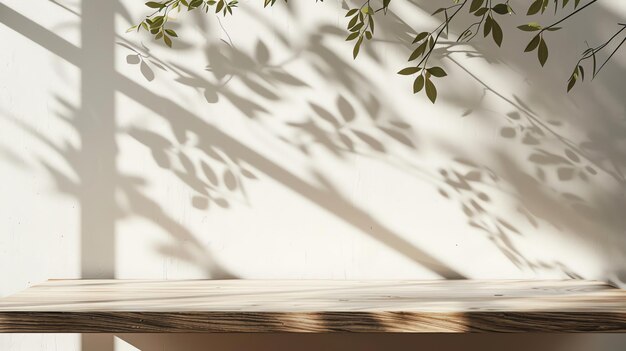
(437,71)
(441,9)
(418,51)
(352,36)
(571,82)
(357,27)
(496,32)
(476,4)
(431,91)
(418,84)
(530,27)
(409,70)
(487,26)
(481,11)
(171,32)
(155,5)
(219,6)
(420,36)
(582,72)
(157,21)
(532,45)
(542,53)
(351,12)
(593,56)
(357,47)
(167,40)
(535,7)
(353,21)
(501,9)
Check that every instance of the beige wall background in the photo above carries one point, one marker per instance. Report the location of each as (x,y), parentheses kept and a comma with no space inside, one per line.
(257,148)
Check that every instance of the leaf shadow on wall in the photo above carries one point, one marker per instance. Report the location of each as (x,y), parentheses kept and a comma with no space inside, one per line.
(570,174)
(540,196)
(463,180)
(212,139)
(185,245)
(328,126)
(341,143)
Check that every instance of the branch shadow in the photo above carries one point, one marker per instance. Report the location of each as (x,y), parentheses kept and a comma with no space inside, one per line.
(570,174)
(357,123)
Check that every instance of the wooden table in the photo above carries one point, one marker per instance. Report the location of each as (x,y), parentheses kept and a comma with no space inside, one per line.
(318,306)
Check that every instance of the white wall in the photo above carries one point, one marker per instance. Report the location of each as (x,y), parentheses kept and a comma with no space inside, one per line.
(262,150)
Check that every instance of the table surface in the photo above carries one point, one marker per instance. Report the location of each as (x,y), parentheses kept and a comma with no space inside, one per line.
(315,306)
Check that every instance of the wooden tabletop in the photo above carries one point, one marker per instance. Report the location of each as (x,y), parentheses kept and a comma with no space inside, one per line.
(152,306)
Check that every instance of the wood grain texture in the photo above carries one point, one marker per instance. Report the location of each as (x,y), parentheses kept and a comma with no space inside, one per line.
(122,306)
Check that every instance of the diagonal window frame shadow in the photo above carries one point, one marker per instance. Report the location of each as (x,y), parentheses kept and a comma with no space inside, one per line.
(333,203)
(98,171)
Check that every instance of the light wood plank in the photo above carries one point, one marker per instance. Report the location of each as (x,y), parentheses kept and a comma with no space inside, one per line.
(118,306)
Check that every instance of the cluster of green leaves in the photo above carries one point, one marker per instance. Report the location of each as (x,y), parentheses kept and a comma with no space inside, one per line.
(537,42)
(486,11)
(361,24)
(590,54)
(424,79)
(225,6)
(579,71)
(269,3)
(155,22)
(426,42)
(541,5)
